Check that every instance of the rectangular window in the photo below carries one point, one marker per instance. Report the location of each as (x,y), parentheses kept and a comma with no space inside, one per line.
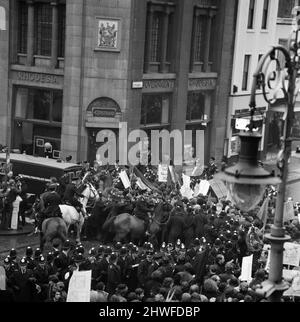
(246,72)
(61,30)
(200,37)
(251,14)
(156,31)
(43,29)
(265,15)
(285,8)
(155,109)
(22,27)
(196,106)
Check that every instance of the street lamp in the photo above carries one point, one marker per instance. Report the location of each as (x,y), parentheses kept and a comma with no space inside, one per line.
(276,77)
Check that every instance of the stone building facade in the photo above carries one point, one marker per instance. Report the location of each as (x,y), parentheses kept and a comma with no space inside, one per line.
(73,68)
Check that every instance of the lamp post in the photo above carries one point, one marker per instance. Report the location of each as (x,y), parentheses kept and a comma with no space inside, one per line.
(277,75)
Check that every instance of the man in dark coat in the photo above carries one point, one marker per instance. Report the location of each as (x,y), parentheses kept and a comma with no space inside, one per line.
(113,274)
(141,211)
(70,195)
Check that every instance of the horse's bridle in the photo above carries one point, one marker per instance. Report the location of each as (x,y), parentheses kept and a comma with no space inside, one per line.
(162,223)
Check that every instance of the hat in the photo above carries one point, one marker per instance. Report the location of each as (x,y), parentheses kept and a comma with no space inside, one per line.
(123,251)
(118,246)
(113,257)
(101,249)
(7,260)
(13,253)
(108,250)
(37,253)
(78,258)
(50,257)
(92,252)
(67,245)
(29,251)
(42,259)
(23,261)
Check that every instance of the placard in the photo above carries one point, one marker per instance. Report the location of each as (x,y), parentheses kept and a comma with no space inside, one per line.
(247,269)
(291,254)
(80,287)
(124,178)
(2,279)
(219,188)
(289,213)
(163,173)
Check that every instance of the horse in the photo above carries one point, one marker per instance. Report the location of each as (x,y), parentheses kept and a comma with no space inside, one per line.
(53,228)
(72,217)
(90,196)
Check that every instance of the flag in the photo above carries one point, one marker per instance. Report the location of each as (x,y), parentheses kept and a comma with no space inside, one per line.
(263,212)
(146,182)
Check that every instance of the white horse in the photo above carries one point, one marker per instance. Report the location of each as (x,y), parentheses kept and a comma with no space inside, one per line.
(72,217)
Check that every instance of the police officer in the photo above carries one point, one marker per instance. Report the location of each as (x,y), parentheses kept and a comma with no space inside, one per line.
(113,274)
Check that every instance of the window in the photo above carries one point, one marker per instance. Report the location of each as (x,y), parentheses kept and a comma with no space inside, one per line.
(61,30)
(251,14)
(196,106)
(200,38)
(38,104)
(265,14)
(155,109)
(43,29)
(285,8)
(156,30)
(159,44)
(246,72)
(22,27)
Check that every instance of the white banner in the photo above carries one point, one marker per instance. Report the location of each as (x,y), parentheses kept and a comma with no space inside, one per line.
(289,213)
(125,180)
(185,190)
(2,279)
(80,287)
(291,254)
(163,173)
(247,269)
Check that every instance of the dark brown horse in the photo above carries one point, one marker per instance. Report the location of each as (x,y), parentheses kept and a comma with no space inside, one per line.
(53,228)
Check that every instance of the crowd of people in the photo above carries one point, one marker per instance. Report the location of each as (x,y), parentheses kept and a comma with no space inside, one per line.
(205,269)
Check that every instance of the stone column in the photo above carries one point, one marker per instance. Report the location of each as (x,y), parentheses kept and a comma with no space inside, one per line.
(54,43)
(30,33)
(149,40)
(164,44)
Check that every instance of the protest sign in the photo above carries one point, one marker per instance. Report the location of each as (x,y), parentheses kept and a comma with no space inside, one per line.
(294,290)
(288,274)
(80,287)
(2,279)
(289,213)
(247,269)
(218,188)
(291,254)
(186,190)
(204,187)
(124,178)
(163,173)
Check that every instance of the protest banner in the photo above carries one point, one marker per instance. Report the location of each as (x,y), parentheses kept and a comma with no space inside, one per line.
(291,254)
(289,213)
(163,173)
(246,274)
(2,279)
(124,178)
(294,290)
(204,187)
(289,274)
(80,287)
(218,188)
(186,190)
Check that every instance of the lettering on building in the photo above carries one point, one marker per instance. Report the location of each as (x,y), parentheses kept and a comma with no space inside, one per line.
(36,77)
(159,84)
(202,83)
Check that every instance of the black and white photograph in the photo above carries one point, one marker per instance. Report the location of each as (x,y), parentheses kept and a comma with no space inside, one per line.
(149,155)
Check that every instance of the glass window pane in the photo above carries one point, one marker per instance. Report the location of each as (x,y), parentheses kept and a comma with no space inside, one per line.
(43,29)
(196,106)
(41,105)
(57,106)
(152,109)
(22,27)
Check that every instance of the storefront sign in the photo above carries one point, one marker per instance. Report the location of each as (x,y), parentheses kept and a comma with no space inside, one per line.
(36,77)
(99,112)
(202,84)
(159,84)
